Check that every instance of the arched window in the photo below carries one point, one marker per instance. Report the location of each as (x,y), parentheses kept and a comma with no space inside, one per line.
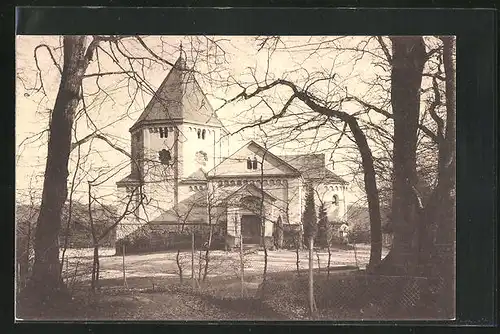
(203,134)
(249,163)
(254,163)
(199,133)
(335,200)
(163,132)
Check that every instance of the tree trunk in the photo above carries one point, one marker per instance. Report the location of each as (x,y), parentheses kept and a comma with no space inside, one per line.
(242,267)
(95,269)
(123,267)
(25,271)
(298,238)
(408,60)
(179,266)
(207,253)
(193,277)
(369,175)
(264,275)
(319,264)
(200,265)
(46,271)
(279,234)
(329,260)
(355,253)
(447,161)
(437,253)
(312,308)
(446,229)
(371,193)
(262,218)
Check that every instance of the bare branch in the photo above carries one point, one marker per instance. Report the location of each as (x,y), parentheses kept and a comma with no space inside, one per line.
(141,41)
(101,74)
(380,40)
(56,64)
(432,110)
(387,114)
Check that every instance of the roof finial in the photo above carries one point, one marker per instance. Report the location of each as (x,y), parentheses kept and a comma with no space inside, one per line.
(181,63)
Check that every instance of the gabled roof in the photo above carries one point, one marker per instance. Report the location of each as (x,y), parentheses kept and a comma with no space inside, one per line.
(312,166)
(191,210)
(250,189)
(179,98)
(268,153)
(198,176)
(275,161)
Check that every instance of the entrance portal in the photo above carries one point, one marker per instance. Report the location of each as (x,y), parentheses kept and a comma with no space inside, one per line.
(250,229)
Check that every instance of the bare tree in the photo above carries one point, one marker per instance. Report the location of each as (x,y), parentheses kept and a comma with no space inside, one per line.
(310,230)
(215,215)
(130,208)
(326,103)
(325,112)
(26,215)
(130,55)
(262,214)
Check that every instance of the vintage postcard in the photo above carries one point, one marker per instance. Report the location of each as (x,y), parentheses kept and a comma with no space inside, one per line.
(235,177)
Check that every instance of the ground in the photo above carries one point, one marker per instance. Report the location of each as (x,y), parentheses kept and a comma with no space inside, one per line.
(223,264)
(153,291)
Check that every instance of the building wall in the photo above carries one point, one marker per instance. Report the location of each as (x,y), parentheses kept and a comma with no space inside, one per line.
(325,193)
(137,151)
(154,171)
(295,200)
(284,191)
(160,179)
(191,145)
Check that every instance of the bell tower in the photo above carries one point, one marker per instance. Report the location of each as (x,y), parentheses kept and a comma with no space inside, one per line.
(177,135)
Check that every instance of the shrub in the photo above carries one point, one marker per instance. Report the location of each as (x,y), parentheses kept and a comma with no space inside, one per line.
(168,237)
(359,235)
(324,229)
(309,219)
(291,235)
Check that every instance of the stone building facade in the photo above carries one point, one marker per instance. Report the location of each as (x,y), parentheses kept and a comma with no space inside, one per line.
(177,149)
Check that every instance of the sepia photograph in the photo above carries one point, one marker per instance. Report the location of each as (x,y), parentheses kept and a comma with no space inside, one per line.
(204,177)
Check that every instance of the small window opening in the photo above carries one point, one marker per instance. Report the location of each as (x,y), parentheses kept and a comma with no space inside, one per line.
(249,163)
(199,133)
(163,132)
(165,157)
(335,200)
(203,134)
(254,163)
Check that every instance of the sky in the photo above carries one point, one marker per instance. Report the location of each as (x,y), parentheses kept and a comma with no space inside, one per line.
(228,60)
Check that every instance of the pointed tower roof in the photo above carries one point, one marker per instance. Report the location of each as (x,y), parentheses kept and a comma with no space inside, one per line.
(178,99)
